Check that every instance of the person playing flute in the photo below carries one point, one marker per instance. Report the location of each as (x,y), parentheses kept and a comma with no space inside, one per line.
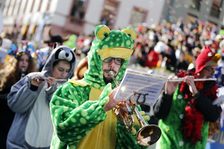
(29,98)
(186,108)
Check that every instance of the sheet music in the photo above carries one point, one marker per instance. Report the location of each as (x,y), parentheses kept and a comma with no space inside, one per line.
(143,87)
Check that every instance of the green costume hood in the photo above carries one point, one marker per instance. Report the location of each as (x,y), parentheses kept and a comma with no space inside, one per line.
(108,43)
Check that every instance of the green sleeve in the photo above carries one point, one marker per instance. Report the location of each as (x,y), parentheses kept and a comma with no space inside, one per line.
(125,138)
(73,114)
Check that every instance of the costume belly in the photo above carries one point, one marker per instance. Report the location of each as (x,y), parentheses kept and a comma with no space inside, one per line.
(103,135)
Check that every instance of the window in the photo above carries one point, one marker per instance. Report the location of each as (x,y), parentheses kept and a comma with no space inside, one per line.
(138,15)
(195,4)
(6,9)
(39,7)
(48,5)
(78,10)
(215,8)
(25,6)
(20,3)
(109,13)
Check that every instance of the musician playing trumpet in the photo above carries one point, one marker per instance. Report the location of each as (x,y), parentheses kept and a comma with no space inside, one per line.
(82,110)
(186,107)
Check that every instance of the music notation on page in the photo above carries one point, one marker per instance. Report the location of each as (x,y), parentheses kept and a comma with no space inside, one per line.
(143,87)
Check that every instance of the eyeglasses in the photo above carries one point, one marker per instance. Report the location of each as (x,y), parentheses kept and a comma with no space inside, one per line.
(117,61)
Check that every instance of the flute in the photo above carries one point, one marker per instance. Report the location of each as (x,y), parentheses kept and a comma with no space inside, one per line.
(201,79)
(42,78)
(57,80)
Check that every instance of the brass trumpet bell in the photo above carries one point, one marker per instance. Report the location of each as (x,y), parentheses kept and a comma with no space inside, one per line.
(148,135)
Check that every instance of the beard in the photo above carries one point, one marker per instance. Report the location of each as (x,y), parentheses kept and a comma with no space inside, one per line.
(108,80)
(111,77)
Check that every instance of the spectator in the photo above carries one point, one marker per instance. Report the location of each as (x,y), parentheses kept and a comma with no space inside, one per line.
(10,74)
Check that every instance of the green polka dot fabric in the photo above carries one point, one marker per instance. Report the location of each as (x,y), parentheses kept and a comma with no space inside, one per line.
(116,39)
(74,115)
(171,127)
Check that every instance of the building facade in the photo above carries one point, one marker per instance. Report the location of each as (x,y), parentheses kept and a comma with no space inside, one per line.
(30,19)
(208,11)
(1,16)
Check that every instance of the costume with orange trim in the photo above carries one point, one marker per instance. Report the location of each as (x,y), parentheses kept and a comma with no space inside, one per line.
(77,108)
(184,118)
(81,69)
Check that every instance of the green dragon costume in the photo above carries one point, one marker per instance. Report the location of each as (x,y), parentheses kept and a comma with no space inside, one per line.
(77,107)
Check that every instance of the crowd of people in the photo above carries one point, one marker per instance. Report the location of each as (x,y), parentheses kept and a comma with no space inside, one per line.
(49,101)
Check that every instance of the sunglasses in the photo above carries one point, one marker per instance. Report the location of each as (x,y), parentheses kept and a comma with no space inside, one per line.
(117,61)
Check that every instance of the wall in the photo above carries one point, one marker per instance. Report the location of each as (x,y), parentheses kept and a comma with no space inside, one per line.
(60,9)
(93,13)
(95,7)
(153,7)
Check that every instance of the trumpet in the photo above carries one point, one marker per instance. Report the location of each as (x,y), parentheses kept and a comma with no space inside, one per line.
(147,134)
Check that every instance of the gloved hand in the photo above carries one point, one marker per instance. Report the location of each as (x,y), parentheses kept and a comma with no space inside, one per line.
(145,116)
(104,96)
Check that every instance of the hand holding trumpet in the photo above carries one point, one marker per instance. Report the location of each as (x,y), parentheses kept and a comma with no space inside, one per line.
(112,101)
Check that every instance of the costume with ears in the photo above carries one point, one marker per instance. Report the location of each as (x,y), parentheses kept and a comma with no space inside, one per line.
(77,108)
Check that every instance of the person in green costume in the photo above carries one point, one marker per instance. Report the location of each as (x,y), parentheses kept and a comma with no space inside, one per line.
(82,109)
(186,108)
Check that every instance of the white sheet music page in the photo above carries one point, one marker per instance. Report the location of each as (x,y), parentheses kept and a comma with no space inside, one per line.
(143,87)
